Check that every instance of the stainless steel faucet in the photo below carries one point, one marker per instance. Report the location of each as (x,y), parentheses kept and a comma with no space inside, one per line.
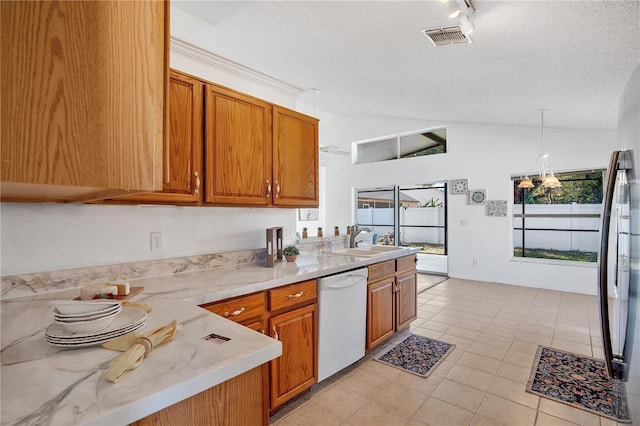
(355,230)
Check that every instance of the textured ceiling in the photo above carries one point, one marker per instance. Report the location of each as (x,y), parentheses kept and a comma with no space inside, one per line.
(572,58)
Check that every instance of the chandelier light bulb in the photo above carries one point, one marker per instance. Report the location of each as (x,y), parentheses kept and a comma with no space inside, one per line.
(526,183)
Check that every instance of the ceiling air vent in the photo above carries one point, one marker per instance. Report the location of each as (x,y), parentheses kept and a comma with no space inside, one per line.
(446,36)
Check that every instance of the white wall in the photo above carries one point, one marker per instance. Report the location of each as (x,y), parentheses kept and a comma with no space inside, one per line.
(49,237)
(487,155)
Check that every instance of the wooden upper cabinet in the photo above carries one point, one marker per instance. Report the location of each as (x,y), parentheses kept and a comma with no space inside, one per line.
(258,154)
(182,177)
(295,158)
(83,98)
(237,148)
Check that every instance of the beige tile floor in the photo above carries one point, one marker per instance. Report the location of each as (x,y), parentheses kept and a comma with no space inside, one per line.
(496,329)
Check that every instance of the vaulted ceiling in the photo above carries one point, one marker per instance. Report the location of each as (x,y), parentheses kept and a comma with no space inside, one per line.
(572,58)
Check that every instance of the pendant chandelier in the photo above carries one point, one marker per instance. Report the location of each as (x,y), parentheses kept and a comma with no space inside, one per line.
(547,177)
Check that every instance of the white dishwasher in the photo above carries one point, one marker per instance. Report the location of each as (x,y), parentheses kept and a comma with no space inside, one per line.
(342,318)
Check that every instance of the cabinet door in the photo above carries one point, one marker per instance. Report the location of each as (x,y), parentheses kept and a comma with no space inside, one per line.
(295,158)
(182,166)
(237,148)
(297,368)
(406,299)
(83,107)
(380,315)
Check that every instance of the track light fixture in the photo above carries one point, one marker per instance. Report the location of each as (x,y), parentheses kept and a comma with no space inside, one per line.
(454,10)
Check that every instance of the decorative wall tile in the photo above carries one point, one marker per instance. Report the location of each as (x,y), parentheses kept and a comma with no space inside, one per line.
(477,197)
(458,186)
(497,207)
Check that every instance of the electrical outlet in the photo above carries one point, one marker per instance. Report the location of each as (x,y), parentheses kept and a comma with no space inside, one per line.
(476,262)
(156,241)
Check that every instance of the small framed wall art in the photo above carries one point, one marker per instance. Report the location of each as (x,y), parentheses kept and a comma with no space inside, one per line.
(497,207)
(477,197)
(458,186)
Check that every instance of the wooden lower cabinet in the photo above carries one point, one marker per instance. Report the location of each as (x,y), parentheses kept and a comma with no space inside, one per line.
(297,368)
(238,401)
(380,315)
(391,298)
(289,314)
(406,299)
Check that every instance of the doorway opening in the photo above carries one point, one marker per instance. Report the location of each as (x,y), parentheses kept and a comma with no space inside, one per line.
(409,216)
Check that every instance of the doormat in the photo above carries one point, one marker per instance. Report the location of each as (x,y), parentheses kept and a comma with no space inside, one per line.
(416,354)
(579,381)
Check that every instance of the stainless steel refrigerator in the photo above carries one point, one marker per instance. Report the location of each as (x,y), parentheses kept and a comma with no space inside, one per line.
(619,256)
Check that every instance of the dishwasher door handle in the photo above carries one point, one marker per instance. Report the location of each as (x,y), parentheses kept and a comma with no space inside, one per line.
(348,281)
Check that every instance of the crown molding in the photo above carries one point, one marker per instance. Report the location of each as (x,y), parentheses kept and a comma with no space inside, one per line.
(203,56)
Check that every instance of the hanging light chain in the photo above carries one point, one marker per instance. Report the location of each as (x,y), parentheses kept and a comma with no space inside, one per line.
(542,121)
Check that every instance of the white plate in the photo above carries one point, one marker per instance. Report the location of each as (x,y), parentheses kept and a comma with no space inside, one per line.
(129,316)
(71,307)
(108,336)
(113,308)
(93,325)
(88,342)
(87,317)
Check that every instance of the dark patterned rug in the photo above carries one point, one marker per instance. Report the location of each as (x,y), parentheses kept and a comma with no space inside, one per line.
(579,381)
(416,354)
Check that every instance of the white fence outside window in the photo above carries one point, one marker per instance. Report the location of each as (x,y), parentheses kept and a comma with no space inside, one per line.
(558,240)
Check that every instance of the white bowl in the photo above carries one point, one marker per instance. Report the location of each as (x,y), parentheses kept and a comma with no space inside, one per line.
(87,326)
(75,307)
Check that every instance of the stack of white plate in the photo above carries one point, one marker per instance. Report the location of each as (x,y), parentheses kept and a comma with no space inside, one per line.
(103,323)
(89,321)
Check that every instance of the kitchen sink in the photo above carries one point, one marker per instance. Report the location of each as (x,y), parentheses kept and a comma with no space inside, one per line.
(366,251)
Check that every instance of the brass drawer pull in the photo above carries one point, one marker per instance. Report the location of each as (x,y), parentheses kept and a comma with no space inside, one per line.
(295,296)
(234,313)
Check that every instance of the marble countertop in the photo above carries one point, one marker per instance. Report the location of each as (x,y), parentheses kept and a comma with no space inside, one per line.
(43,384)
(211,285)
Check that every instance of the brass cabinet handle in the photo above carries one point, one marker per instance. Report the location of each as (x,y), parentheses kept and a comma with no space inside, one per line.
(298,294)
(277,189)
(268,194)
(275,332)
(197,188)
(234,313)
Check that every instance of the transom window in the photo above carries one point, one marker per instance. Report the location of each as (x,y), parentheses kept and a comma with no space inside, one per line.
(415,144)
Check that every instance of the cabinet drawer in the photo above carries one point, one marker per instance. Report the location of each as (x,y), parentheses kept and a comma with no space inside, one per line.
(381,270)
(406,263)
(290,295)
(239,309)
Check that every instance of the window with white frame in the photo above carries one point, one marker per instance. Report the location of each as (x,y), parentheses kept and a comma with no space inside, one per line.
(560,223)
